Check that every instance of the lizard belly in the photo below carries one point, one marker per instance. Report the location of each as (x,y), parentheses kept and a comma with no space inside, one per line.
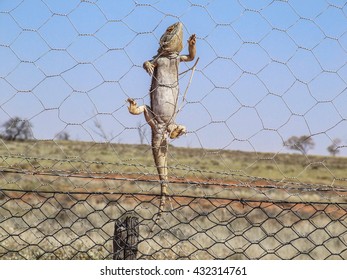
(164,90)
(164,104)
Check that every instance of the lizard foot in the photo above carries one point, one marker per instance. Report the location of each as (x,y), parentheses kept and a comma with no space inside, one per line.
(192,40)
(149,67)
(178,131)
(133,108)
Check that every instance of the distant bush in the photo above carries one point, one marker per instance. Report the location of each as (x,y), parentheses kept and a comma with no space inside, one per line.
(301,144)
(333,149)
(17,129)
(63,136)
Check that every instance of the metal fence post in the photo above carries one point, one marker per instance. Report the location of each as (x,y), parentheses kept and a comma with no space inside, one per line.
(125,240)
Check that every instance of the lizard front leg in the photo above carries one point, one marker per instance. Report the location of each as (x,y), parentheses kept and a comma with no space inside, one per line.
(191,48)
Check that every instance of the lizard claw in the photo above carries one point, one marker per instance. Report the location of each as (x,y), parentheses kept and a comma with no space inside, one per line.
(192,40)
(132,106)
(178,131)
(149,67)
(131,101)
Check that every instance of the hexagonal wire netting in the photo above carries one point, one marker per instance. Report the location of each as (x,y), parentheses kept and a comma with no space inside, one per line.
(260,173)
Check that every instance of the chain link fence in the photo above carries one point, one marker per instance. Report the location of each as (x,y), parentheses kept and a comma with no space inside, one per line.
(260,173)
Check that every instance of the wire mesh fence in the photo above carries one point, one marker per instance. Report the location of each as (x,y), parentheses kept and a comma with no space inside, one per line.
(260,173)
(79,225)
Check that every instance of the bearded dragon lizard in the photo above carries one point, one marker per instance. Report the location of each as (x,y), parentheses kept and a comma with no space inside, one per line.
(164,93)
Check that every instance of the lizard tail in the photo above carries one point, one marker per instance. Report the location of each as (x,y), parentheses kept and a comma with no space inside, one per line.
(161,206)
(159,148)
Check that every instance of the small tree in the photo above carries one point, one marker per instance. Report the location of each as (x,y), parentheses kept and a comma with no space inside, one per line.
(333,148)
(100,131)
(16,128)
(63,136)
(301,144)
(142,130)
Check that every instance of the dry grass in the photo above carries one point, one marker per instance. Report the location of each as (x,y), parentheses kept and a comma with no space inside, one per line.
(186,163)
(204,220)
(71,226)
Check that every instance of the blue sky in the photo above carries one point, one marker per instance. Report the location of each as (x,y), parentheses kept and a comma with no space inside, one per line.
(268,70)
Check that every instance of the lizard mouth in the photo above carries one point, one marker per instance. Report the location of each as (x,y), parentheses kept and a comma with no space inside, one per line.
(171,40)
(174,27)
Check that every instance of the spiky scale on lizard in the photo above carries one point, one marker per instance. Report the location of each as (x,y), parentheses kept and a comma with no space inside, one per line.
(164,93)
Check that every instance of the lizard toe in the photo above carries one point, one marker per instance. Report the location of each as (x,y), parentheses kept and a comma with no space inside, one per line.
(178,131)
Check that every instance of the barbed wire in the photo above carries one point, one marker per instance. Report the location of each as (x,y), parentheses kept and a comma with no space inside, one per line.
(42,169)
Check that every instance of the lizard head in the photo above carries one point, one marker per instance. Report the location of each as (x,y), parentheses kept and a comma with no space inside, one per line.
(171,40)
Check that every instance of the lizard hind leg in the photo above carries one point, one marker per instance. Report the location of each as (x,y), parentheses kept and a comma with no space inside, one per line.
(134,109)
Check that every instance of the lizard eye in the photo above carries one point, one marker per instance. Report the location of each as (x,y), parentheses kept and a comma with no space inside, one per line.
(170,28)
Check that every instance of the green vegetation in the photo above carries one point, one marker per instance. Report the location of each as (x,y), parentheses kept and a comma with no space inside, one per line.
(53,157)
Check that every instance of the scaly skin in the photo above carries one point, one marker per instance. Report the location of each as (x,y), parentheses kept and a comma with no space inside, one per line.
(164,96)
